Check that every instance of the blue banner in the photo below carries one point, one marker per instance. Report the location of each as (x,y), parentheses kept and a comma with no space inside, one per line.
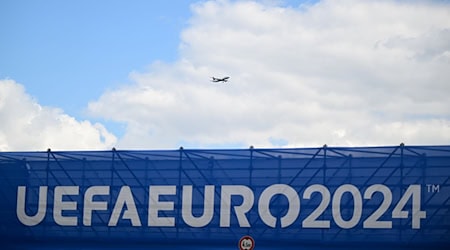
(377,196)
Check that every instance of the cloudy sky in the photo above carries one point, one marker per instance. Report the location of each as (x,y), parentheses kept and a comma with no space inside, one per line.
(80,75)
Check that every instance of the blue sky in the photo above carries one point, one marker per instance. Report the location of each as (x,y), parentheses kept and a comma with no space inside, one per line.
(303,73)
(67,53)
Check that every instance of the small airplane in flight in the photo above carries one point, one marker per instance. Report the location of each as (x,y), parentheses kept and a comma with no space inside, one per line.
(225,79)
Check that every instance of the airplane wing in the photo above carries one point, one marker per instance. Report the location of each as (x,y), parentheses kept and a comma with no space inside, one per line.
(214,79)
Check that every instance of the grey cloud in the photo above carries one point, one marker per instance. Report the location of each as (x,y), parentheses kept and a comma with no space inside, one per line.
(428,46)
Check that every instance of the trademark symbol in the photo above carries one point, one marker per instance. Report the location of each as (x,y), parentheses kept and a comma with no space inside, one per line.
(433,188)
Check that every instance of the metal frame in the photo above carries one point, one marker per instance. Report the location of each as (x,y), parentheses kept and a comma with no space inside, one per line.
(397,166)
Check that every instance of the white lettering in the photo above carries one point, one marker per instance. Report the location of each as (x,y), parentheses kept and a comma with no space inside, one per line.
(155,205)
(241,210)
(312,220)
(59,205)
(346,206)
(264,203)
(91,205)
(372,221)
(125,197)
(42,206)
(208,207)
(357,206)
(413,192)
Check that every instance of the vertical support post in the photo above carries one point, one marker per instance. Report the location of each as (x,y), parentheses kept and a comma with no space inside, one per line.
(211,167)
(251,166)
(111,183)
(324,163)
(402,145)
(350,165)
(83,176)
(178,205)
(47,183)
(83,190)
(279,200)
(279,168)
(324,179)
(422,194)
(111,176)
(47,170)
(28,168)
(146,192)
(250,181)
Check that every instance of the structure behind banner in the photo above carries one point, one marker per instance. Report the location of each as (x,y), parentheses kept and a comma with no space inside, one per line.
(392,196)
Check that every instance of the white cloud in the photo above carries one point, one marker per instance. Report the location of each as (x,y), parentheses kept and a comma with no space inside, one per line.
(26,125)
(336,72)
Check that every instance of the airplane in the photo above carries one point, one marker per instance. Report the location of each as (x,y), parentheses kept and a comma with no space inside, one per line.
(225,79)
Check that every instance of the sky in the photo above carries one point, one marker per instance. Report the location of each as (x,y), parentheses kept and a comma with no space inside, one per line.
(92,75)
